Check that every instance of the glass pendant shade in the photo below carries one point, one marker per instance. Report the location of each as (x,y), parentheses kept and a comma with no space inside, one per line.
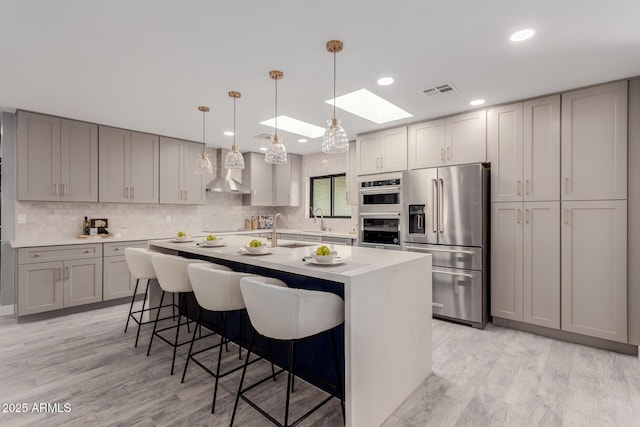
(234,159)
(277,152)
(204,164)
(335,138)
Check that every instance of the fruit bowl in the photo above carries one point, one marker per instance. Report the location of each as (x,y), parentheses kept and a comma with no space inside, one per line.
(324,258)
(255,249)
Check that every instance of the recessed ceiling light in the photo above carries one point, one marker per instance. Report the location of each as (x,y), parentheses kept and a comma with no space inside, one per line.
(263,148)
(521,35)
(385,81)
(302,140)
(477,102)
(295,126)
(228,133)
(370,106)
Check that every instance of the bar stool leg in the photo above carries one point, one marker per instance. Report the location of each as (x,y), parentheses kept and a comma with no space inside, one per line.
(155,324)
(273,369)
(173,308)
(244,371)
(146,292)
(193,339)
(293,371)
(222,340)
(292,345)
(133,298)
(175,344)
(339,383)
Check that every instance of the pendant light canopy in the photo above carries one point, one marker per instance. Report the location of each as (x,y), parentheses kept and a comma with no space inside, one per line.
(204,164)
(234,159)
(277,152)
(335,138)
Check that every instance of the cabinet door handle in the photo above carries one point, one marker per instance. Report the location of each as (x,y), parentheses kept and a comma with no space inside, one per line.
(519,216)
(527,187)
(55,190)
(87,251)
(186,194)
(180,194)
(36,255)
(566,185)
(566,216)
(442,154)
(377,162)
(133,192)
(66,273)
(116,249)
(64,189)
(58,274)
(448,153)
(519,185)
(126,192)
(381,162)
(526,216)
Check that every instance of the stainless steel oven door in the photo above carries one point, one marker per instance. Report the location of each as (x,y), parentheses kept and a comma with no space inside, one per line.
(380,230)
(379,199)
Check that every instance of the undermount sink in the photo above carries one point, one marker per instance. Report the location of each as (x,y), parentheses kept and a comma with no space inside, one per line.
(295,245)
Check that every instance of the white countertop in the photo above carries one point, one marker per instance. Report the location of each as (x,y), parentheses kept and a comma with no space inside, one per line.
(130,237)
(358,260)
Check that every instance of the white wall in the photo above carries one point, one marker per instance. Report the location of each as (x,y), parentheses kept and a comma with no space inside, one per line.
(318,164)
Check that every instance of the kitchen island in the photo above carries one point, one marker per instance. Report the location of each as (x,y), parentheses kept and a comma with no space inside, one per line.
(387,329)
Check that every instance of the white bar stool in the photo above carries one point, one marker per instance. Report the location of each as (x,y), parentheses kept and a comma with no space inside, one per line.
(139,264)
(287,314)
(217,289)
(171,273)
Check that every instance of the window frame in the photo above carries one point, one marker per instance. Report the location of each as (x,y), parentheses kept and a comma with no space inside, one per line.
(332,194)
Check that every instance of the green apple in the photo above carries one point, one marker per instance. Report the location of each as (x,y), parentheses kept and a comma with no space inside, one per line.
(181,234)
(255,243)
(211,237)
(323,251)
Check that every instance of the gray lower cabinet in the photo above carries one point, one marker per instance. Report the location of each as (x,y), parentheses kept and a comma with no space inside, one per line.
(54,277)
(117,281)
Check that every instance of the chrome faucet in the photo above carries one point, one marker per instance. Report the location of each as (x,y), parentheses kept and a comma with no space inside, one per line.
(322,226)
(274,236)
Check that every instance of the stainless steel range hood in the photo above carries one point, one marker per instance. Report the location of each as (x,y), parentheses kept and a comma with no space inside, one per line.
(223,183)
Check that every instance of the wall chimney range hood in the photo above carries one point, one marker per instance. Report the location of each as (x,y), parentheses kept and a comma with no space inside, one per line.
(223,183)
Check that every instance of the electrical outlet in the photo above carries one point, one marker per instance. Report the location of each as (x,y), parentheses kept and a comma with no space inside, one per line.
(22,219)
(167,219)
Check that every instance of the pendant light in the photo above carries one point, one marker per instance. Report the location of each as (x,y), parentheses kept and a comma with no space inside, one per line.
(277,152)
(234,159)
(335,138)
(204,164)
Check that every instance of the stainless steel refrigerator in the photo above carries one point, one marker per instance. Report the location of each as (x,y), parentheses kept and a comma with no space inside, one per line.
(447,211)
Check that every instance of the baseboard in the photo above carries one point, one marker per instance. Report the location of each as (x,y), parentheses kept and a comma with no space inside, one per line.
(6,310)
(76,309)
(569,336)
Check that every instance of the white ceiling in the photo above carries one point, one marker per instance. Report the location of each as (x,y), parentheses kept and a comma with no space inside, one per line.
(147,64)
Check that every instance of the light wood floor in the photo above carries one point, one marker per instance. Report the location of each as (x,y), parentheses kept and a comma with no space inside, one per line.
(492,377)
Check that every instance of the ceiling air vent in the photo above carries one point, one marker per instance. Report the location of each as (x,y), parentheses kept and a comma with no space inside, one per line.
(263,136)
(440,89)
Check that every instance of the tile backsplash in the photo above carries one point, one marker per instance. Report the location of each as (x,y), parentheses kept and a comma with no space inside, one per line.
(221,212)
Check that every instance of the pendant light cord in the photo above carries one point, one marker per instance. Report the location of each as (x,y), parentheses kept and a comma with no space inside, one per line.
(203,141)
(334,84)
(276,109)
(234,125)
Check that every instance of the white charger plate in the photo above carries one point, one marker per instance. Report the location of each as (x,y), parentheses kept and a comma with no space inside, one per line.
(335,261)
(212,243)
(246,252)
(180,241)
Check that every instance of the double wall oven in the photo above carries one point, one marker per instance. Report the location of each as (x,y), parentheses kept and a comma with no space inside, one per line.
(380,210)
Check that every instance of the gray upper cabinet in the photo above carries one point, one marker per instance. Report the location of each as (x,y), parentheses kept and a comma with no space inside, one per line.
(57,159)
(594,143)
(179,183)
(128,166)
(287,182)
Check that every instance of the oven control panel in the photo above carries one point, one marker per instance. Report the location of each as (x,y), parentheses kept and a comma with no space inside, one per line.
(381,183)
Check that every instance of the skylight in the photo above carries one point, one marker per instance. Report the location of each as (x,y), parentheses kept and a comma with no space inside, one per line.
(295,126)
(370,106)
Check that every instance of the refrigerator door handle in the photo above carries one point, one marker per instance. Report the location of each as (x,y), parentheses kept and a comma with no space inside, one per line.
(441,206)
(435,201)
(453,274)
